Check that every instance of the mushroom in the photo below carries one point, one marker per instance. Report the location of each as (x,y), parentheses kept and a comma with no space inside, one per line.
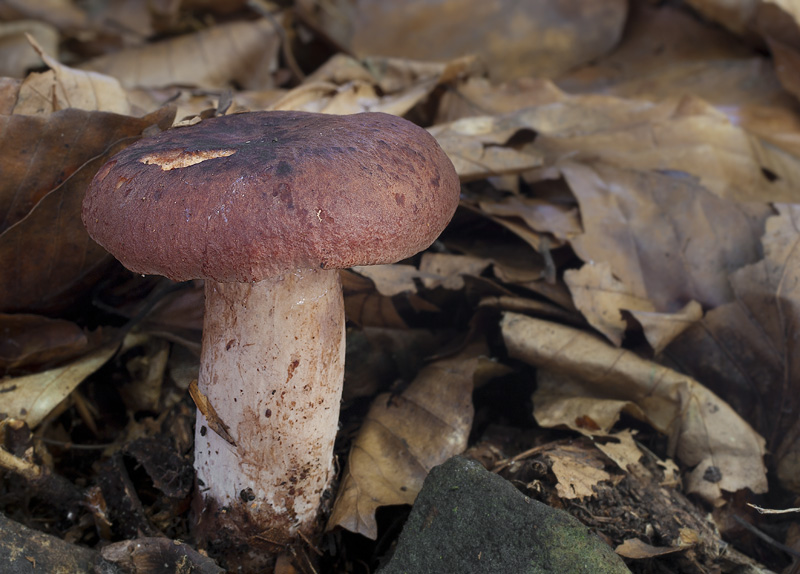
(266,207)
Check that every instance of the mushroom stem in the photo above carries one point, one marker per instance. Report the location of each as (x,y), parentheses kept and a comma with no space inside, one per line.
(272,368)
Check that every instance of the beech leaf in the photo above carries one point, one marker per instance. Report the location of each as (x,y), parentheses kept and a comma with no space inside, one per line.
(404,436)
(722,452)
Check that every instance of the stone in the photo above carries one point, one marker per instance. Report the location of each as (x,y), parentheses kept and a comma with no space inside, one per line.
(467,519)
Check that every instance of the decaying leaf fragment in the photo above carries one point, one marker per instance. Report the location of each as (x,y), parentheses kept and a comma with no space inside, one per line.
(47,166)
(240,51)
(601,297)
(32,397)
(752,344)
(723,452)
(29,342)
(483,146)
(666,238)
(214,421)
(63,87)
(577,471)
(404,436)
(515,38)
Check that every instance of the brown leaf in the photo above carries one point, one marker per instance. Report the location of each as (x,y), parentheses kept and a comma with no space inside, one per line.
(723,452)
(622,449)
(63,87)
(347,86)
(32,397)
(787,64)
(577,470)
(736,16)
(752,344)
(392,279)
(143,391)
(601,298)
(18,57)
(660,329)
(446,269)
(515,39)
(365,306)
(484,146)
(215,423)
(638,550)
(666,238)
(559,401)
(476,95)
(46,254)
(244,52)
(376,355)
(29,341)
(540,215)
(688,136)
(668,52)
(403,437)
(63,14)
(9,88)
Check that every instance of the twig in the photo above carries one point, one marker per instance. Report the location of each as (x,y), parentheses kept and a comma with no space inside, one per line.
(767,538)
(259,7)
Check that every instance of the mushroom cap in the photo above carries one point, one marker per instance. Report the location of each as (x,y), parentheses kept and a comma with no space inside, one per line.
(250,196)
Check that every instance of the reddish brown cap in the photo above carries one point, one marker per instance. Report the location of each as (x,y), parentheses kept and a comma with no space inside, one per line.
(250,196)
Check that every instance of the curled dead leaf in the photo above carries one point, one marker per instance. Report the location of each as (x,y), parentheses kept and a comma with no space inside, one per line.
(722,451)
(404,436)
(31,398)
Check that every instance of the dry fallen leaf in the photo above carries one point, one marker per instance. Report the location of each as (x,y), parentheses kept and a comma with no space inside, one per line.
(32,397)
(601,298)
(447,269)
(740,162)
(638,550)
(404,436)
(365,306)
(244,52)
(63,87)
(751,344)
(484,146)
(17,56)
(621,448)
(558,401)
(347,86)
(667,240)
(203,405)
(515,39)
(688,136)
(31,341)
(577,471)
(722,452)
(660,329)
(540,215)
(667,52)
(46,255)
(391,279)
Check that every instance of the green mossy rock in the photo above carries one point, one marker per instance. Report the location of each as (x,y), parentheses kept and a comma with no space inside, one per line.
(467,519)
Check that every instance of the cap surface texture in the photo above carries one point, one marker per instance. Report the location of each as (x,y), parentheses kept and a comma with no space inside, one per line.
(250,196)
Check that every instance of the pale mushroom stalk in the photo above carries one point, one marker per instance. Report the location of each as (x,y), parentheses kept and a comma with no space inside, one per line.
(266,206)
(272,365)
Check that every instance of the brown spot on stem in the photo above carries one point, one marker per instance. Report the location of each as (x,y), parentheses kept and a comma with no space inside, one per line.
(292,366)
